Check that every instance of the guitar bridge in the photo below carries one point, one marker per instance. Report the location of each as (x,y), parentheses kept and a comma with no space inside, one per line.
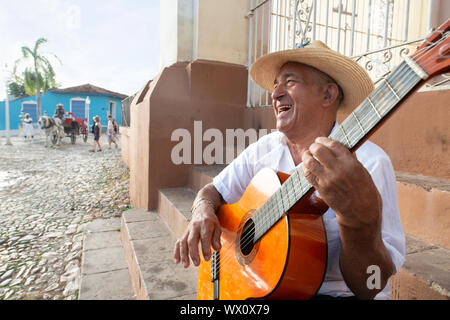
(215,268)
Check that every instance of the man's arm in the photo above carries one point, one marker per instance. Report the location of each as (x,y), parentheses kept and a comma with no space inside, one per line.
(359,251)
(204,227)
(346,186)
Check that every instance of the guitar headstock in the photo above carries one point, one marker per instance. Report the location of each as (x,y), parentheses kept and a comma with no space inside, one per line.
(434,53)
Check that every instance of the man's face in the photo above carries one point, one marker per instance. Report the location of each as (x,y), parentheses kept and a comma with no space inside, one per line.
(296,98)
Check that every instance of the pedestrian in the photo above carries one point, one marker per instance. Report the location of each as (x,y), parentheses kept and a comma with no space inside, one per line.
(28,130)
(113,129)
(97,130)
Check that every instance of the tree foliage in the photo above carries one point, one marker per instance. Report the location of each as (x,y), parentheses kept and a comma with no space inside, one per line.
(38,73)
(16,89)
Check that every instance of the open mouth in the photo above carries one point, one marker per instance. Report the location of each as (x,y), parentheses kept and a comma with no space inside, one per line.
(282,109)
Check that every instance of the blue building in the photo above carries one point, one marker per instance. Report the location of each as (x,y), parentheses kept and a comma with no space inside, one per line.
(85,101)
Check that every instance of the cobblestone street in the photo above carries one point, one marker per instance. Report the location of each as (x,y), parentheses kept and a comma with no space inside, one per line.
(47,196)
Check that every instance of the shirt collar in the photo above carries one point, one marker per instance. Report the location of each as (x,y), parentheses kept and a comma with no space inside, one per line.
(283,139)
(336,125)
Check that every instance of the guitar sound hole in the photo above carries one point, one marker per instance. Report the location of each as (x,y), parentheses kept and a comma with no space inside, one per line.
(247,237)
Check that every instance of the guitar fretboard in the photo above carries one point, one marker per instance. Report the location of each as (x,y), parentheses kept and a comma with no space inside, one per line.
(355,128)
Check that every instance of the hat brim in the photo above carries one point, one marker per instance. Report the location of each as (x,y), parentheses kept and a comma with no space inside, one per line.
(349,75)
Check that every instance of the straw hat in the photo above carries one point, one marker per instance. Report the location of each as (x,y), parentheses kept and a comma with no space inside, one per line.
(349,75)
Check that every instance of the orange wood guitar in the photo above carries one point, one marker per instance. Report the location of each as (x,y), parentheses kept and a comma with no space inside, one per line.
(273,239)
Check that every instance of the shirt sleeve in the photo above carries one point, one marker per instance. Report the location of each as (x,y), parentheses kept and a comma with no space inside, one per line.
(232,181)
(383,176)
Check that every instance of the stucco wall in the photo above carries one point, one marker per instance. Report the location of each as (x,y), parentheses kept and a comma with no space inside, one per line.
(417,135)
(211,92)
(176,31)
(203,29)
(441,12)
(223,31)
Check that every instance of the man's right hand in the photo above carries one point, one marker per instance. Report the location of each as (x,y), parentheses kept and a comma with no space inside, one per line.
(204,227)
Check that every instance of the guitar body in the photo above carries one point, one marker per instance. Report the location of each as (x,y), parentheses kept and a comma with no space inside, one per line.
(288,262)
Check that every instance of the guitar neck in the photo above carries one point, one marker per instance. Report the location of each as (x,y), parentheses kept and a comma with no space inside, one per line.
(355,129)
(380,103)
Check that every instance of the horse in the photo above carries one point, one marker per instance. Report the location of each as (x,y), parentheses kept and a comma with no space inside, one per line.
(51,128)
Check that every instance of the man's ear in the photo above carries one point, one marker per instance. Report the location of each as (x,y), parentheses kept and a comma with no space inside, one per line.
(330,95)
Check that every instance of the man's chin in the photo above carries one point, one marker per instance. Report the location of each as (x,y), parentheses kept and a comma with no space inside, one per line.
(281,126)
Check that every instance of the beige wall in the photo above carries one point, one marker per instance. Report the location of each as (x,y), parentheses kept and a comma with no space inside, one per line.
(176,31)
(207,91)
(125,144)
(223,30)
(419,13)
(186,17)
(203,29)
(168,33)
(441,12)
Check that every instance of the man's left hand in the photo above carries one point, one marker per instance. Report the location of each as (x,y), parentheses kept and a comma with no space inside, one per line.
(343,183)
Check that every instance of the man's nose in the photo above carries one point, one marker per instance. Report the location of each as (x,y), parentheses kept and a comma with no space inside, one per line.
(277,93)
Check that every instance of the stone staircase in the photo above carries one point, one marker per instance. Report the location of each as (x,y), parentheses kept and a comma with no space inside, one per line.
(148,239)
(424,211)
(148,246)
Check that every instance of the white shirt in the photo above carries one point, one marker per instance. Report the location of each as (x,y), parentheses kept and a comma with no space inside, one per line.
(110,125)
(272,151)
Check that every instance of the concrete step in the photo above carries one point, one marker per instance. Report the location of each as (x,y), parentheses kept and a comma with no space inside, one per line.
(174,208)
(424,207)
(148,246)
(104,272)
(425,274)
(199,176)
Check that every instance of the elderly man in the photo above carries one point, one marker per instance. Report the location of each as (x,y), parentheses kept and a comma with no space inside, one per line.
(363,227)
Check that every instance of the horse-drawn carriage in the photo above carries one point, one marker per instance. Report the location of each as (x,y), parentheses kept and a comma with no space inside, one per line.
(72,126)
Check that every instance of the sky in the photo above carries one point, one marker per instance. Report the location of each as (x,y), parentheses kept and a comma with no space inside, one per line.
(113,44)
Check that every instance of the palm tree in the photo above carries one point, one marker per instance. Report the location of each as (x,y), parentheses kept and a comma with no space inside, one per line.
(39,74)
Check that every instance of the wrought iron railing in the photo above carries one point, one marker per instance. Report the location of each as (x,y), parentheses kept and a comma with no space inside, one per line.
(376,33)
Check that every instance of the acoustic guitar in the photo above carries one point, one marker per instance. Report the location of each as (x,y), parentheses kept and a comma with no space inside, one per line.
(273,239)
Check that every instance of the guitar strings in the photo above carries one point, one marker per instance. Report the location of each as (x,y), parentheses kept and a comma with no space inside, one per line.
(381,105)
(247,239)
